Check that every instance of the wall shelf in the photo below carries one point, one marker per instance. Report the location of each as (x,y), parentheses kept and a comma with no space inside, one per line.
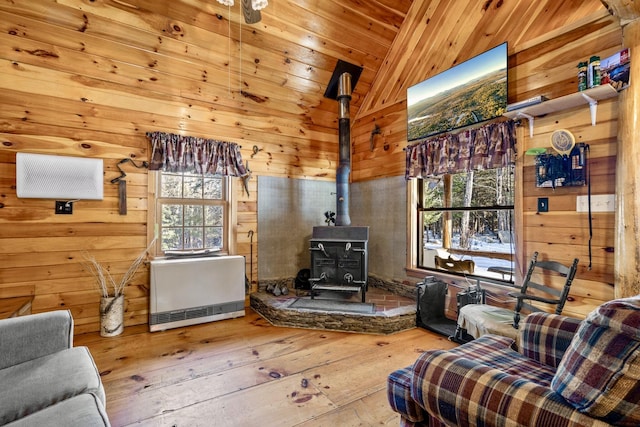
(587,97)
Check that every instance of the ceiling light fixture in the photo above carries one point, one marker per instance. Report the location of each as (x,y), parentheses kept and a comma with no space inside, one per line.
(255,4)
(258,4)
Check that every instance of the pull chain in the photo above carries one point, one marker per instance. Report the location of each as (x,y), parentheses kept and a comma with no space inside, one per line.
(240,67)
(229,48)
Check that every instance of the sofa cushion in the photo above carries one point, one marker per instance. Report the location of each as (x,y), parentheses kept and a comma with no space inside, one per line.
(79,411)
(600,371)
(494,351)
(34,385)
(545,337)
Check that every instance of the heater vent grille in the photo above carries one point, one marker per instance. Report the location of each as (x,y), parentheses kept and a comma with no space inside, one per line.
(196,313)
(42,176)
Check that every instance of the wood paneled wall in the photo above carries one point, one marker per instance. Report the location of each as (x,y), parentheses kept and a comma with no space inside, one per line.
(90,78)
(543,66)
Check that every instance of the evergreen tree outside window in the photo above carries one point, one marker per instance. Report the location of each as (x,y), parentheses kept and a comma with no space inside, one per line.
(468,216)
(191,211)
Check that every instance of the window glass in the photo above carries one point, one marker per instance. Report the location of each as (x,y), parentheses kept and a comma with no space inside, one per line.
(213,188)
(468,216)
(192,211)
(213,215)
(192,187)
(171,186)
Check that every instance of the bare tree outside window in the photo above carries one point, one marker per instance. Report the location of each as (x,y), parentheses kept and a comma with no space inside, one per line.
(192,211)
(469,216)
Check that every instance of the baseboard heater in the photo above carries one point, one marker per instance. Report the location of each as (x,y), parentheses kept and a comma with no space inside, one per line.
(188,291)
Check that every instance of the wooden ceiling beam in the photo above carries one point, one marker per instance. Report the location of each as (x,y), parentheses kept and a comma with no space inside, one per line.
(625,10)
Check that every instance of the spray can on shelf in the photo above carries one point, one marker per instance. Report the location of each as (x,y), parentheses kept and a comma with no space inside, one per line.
(593,74)
(582,76)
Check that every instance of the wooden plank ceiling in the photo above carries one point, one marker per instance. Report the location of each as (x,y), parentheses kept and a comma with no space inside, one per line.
(297,43)
(198,63)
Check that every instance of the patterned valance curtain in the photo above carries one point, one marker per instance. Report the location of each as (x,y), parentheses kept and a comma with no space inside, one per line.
(490,146)
(177,153)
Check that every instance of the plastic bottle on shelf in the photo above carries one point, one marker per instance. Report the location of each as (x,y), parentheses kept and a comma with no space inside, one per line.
(582,76)
(593,75)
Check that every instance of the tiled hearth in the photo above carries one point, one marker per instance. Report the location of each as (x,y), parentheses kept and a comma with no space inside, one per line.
(393,313)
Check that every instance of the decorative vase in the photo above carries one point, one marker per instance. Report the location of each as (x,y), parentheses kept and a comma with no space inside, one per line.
(111,316)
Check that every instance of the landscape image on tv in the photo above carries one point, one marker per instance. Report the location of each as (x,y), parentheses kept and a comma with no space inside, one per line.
(471,92)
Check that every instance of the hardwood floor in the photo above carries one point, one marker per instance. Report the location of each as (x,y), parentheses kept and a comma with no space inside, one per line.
(246,372)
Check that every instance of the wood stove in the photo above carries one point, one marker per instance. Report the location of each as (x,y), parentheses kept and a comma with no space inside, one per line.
(339,259)
(339,253)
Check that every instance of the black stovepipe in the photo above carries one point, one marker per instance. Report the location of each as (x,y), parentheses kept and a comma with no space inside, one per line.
(344,167)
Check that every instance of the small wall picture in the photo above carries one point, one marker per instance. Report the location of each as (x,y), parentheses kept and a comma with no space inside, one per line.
(615,69)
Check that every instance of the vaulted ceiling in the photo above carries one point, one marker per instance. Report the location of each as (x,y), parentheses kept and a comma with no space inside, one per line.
(397,42)
(195,66)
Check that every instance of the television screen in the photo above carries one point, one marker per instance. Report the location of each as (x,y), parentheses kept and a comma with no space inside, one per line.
(471,92)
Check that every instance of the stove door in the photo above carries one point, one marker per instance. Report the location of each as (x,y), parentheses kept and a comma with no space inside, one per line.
(340,263)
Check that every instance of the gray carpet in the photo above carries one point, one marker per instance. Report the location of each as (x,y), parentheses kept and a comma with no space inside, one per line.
(333,305)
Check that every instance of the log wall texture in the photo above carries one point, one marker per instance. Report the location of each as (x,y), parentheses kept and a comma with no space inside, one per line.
(89,78)
(545,65)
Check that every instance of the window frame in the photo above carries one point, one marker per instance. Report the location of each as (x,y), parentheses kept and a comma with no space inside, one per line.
(415,189)
(155,212)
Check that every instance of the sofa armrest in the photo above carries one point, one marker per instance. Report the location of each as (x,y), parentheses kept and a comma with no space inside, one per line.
(545,337)
(460,391)
(28,337)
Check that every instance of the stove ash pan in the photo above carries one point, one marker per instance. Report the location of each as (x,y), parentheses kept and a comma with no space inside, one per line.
(339,259)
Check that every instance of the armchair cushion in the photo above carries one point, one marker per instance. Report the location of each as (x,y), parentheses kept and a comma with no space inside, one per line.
(34,385)
(600,371)
(52,331)
(79,411)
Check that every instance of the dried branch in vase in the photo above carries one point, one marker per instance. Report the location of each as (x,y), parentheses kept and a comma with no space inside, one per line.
(105,283)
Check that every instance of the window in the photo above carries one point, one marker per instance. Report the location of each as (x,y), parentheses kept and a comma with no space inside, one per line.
(467,216)
(191,211)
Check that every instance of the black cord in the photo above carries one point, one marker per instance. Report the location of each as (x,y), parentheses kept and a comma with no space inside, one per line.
(586,150)
(144,164)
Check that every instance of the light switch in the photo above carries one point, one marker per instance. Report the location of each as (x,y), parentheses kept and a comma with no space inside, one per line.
(543,204)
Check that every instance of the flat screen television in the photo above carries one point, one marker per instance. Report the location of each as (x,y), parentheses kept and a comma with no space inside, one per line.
(471,92)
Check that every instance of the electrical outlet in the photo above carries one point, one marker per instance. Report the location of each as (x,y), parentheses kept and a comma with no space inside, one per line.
(599,203)
(543,204)
(64,208)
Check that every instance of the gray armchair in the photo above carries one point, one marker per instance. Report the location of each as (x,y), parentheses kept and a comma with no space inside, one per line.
(45,380)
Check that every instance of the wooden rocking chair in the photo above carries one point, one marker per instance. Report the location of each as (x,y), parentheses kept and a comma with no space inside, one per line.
(481,319)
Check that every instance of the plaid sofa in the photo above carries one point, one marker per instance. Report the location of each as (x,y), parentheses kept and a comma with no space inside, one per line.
(565,373)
